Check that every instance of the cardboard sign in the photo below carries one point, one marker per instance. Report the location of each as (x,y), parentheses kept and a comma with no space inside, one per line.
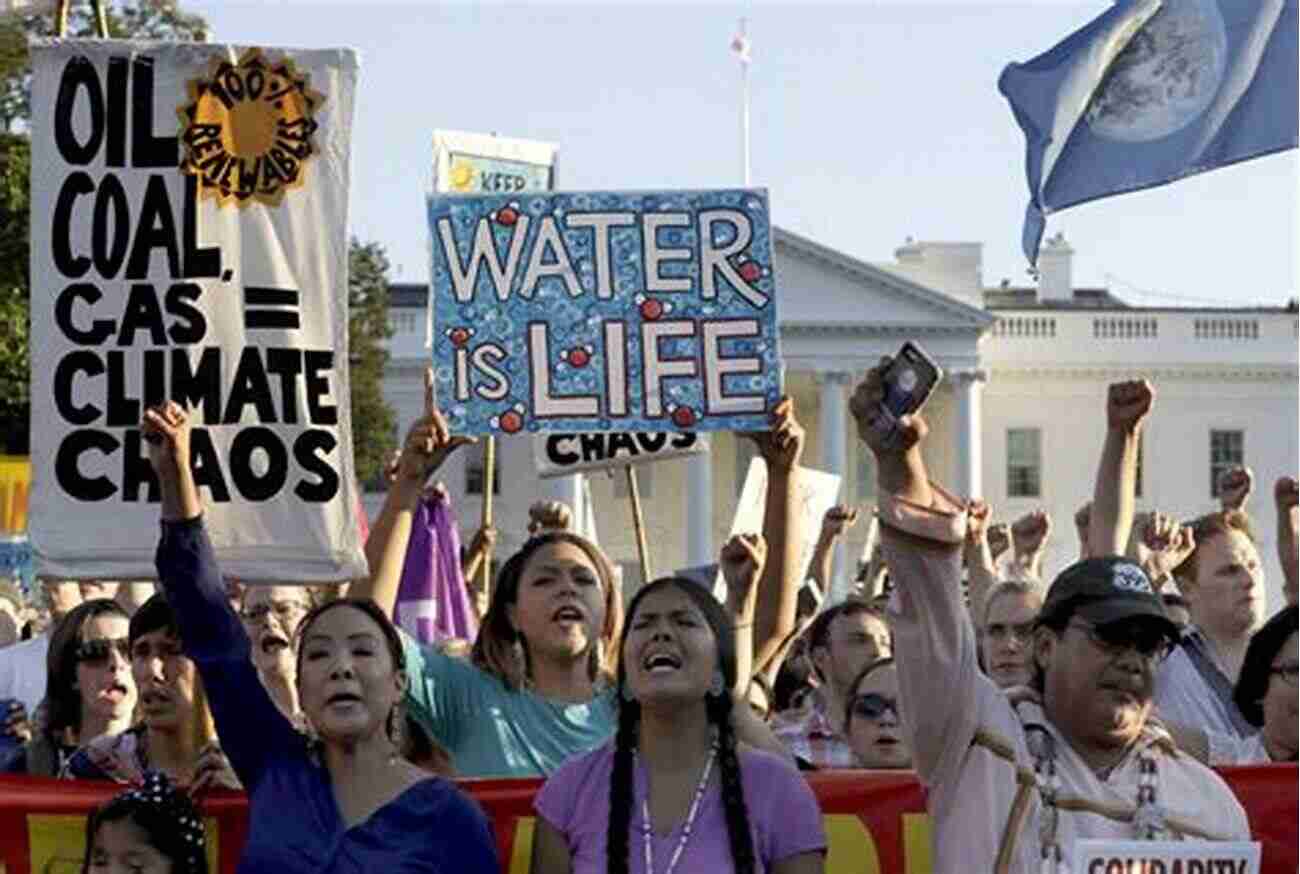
(1166,857)
(604,311)
(171,186)
(817,492)
(563,454)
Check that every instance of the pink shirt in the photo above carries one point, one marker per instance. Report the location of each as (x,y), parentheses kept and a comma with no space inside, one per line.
(784,819)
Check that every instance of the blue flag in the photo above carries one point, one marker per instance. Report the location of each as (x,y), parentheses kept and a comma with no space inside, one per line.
(1150,92)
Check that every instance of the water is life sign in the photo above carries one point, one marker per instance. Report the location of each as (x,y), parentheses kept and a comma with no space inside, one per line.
(604,311)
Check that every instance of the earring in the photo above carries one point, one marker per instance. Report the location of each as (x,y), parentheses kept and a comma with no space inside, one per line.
(719,685)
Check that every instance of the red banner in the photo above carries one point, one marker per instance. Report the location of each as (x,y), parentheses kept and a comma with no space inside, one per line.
(875,821)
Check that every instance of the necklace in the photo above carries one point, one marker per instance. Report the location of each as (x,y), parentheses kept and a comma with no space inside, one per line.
(1148,815)
(646,830)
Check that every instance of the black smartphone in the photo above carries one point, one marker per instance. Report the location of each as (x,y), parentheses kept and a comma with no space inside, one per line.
(910,380)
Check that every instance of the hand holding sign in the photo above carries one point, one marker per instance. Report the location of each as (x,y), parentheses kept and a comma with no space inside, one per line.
(429,442)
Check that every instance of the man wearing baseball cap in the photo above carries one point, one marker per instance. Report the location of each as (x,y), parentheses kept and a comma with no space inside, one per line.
(1017,776)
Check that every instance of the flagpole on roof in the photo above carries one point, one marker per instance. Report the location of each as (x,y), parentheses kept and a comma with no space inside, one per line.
(740,45)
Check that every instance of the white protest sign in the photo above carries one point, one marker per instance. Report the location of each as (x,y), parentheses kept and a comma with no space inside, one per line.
(189,242)
(817,491)
(563,454)
(1166,857)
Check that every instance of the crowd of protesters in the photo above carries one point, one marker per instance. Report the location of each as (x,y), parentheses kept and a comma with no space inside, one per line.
(1038,706)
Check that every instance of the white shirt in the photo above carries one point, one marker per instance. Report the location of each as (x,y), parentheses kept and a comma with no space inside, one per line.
(969,745)
(22,671)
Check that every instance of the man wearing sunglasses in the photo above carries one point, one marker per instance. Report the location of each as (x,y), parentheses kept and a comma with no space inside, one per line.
(1016,779)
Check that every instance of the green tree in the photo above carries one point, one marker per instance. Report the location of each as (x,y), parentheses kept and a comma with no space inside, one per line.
(127,19)
(374,423)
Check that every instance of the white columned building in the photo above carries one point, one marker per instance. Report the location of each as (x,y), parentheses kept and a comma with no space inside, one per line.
(1018,420)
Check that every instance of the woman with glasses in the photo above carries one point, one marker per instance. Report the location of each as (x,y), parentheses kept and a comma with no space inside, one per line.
(1009,631)
(271,615)
(89,691)
(872,723)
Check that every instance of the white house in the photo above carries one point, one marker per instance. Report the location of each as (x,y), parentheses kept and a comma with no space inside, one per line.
(1018,419)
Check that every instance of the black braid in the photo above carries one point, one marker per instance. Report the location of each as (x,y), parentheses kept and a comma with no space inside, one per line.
(733,794)
(617,845)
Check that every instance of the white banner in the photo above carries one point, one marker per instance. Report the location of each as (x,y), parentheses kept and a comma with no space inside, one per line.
(189,241)
(816,492)
(563,454)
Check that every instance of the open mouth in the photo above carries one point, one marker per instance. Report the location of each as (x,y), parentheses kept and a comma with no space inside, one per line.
(661,662)
(567,614)
(115,692)
(273,644)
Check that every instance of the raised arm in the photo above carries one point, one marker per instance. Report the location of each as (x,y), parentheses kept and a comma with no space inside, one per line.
(251,728)
(741,561)
(1285,494)
(1114,491)
(1160,544)
(427,446)
(1029,536)
(778,597)
(1236,485)
(838,520)
(980,572)
(922,528)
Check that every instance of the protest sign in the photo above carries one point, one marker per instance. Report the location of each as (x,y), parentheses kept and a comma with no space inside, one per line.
(604,311)
(562,454)
(1166,857)
(817,491)
(189,216)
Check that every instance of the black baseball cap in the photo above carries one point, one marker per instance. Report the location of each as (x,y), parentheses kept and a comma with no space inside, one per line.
(1105,590)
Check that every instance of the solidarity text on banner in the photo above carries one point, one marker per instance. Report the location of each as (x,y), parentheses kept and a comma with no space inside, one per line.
(189,243)
(1149,92)
(875,821)
(561,454)
(604,311)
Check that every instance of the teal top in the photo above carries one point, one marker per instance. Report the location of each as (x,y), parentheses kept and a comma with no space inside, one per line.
(491,731)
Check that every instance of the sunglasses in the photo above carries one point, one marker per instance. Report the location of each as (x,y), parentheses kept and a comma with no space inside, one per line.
(96,652)
(1116,639)
(873,706)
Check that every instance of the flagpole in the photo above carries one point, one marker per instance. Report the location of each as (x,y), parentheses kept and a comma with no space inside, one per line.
(744,108)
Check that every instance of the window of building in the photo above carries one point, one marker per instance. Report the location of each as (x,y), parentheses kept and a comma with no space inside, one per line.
(1227,448)
(474,477)
(1024,462)
(1137,490)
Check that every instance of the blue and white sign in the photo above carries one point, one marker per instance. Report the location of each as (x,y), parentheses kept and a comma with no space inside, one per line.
(604,311)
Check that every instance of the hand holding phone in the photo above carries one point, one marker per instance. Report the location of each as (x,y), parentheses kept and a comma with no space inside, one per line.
(908,383)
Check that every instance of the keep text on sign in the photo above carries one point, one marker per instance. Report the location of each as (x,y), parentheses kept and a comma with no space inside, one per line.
(604,311)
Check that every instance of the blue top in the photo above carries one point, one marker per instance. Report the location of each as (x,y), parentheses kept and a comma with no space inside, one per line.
(294,825)
(492,731)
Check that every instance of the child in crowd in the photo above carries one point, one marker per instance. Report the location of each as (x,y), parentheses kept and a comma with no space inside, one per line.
(152,829)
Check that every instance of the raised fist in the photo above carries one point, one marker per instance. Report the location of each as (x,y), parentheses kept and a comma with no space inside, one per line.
(839,519)
(781,446)
(1165,545)
(1128,403)
(978,514)
(742,559)
(1286,493)
(1235,487)
(1030,532)
(549,516)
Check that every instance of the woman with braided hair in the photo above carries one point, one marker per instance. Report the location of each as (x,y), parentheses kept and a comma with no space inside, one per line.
(683,794)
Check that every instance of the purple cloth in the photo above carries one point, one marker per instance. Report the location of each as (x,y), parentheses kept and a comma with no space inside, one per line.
(784,818)
(432,601)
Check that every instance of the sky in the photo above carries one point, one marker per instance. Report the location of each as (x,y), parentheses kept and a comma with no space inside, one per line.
(870,123)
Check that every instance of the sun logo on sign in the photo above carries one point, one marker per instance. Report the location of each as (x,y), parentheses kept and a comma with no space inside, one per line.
(248,129)
(511,421)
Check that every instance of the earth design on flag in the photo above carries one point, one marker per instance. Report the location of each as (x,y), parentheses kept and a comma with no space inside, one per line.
(1165,77)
